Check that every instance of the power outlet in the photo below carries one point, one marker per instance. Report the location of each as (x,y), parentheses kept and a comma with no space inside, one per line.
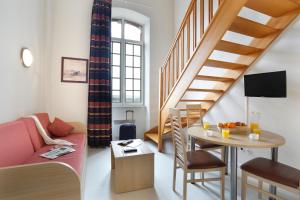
(247,151)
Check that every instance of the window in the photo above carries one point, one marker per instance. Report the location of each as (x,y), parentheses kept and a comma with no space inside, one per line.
(127,63)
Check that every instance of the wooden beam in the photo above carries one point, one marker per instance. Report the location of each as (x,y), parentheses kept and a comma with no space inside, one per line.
(197,100)
(205,90)
(274,8)
(236,48)
(224,65)
(214,78)
(251,28)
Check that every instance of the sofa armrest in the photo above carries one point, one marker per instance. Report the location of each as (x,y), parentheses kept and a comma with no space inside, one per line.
(78,127)
(47,181)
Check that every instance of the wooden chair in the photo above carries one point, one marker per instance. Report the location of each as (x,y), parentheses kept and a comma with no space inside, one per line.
(270,172)
(194,118)
(192,161)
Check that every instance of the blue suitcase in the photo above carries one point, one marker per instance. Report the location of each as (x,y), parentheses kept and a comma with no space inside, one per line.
(127,130)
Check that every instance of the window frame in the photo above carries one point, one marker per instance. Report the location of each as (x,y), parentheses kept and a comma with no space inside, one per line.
(123,43)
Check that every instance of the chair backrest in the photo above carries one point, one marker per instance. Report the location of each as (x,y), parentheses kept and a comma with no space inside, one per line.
(179,139)
(194,114)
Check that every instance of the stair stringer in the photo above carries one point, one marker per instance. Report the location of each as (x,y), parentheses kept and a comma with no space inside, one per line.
(222,20)
(265,43)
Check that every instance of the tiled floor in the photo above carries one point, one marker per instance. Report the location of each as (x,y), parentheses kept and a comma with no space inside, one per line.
(98,185)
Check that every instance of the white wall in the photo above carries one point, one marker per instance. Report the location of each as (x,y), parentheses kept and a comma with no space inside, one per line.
(69,35)
(278,115)
(22,25)
(180,8)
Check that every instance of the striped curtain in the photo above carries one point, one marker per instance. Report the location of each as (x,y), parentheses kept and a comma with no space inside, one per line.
(99,108)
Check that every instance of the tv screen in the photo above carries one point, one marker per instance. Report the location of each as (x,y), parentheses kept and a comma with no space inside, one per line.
(272,84)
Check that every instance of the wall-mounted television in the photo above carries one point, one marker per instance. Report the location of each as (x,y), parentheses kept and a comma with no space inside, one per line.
(271,84)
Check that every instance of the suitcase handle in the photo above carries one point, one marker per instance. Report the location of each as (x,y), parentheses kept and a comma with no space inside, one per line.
(129,111)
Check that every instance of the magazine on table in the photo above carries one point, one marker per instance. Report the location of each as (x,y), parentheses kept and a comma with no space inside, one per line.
(57,152)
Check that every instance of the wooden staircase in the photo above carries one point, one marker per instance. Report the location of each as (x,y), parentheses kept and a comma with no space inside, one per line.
(216,44)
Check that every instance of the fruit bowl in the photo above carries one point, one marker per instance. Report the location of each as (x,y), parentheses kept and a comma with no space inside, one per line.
(235,127)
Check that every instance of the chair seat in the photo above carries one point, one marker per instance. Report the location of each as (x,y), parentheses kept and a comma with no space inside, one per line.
(203,160)
(207,145)
(273,171)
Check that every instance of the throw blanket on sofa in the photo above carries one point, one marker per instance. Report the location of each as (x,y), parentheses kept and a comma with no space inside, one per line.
(45,136)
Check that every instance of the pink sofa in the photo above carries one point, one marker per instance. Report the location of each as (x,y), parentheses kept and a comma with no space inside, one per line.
(20,148)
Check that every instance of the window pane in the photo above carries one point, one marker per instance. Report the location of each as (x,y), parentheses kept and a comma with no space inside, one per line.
(116,72)
(129,84)
(129,61)
(116,47)
(116,59)
(116,98)
(129,96)
(129,49)
(137,96)
(115,84)
(116,29)
(129,72)
(137,85)
(137,61)
(137,50)
(132,32)
(137,73)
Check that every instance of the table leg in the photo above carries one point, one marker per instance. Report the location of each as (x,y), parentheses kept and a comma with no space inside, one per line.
(226,159)
(193,148)
(233,173)
(272,188)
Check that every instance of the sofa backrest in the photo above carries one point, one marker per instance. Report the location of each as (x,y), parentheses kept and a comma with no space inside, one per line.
(15,144)
(34,134)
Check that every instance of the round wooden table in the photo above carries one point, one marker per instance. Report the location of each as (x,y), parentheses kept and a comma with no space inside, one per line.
(266,140)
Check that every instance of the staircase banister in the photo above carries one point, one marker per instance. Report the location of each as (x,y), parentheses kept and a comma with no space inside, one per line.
(218,20)
(183,23)
(197,47)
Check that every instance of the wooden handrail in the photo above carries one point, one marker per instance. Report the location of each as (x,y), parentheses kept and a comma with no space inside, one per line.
(184,45)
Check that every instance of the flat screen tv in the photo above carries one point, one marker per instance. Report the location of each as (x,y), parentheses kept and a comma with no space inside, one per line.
(272,84)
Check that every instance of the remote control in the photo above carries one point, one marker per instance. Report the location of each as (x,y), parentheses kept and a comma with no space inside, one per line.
(130,150)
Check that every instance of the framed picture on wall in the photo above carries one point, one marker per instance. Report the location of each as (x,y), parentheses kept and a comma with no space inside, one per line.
(74,70)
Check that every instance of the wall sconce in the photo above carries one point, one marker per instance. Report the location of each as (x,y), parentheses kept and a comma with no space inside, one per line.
(26,57)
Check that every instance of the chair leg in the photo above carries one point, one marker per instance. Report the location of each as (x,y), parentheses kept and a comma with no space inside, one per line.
(222,173)
(260,186)
(174,175)
(184,185)
(223,154)
(244,186)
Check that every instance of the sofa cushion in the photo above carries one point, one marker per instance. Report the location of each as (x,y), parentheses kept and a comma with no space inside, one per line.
(59,128)
(36,139)
(74,159)
(45,121)
(15,144)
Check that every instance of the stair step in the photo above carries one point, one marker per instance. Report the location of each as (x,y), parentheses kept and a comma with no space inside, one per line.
(274,8)
(214,78)
(236,48)
(197,100)
(184,109)
(251,28)
(224,65)
(152,136)
(204,90)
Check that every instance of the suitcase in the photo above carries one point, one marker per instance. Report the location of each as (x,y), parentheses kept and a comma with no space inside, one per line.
(127,130)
